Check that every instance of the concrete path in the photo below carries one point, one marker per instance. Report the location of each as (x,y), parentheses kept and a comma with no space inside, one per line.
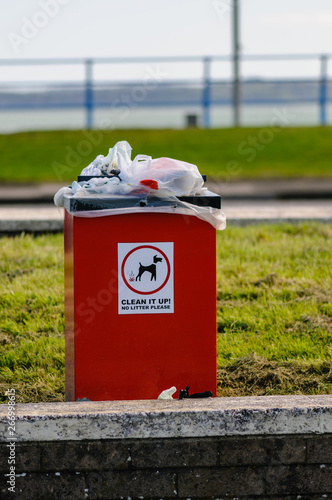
(302,188)
(249,189)
(48,218)
(30,218)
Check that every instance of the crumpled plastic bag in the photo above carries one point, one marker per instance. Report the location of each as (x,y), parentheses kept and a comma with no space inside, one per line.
(169,177)
(164,176)
(144,177)
(94,187)
(167,393)
(118,158)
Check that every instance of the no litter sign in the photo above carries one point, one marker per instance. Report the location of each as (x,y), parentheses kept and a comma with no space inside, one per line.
(145,273)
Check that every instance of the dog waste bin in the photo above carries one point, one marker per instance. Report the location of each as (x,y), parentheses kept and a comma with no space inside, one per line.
(140,296)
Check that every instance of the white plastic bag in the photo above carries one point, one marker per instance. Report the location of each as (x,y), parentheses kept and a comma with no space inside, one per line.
(171,177)
(167,393)
(118,158)
(146,179)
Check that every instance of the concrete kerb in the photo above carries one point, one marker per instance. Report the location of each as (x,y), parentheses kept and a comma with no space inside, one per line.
(257,447)
(36,225)
(15,227)
(12,227)
(265,415)
(255,221)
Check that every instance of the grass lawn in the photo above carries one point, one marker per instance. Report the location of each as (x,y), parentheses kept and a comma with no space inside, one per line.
(274,312)
(229,154)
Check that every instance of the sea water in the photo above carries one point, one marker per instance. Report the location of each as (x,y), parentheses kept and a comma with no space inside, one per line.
(160,117)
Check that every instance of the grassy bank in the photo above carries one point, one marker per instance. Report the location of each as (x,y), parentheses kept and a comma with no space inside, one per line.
(32,317)
(274,312)
(229,154)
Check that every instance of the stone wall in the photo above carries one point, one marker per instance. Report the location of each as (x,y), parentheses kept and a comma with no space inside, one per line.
(243,448)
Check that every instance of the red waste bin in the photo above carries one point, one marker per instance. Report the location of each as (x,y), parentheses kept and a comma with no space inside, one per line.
(140,303)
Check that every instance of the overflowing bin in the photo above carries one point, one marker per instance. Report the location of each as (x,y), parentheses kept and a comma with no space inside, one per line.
(140,295)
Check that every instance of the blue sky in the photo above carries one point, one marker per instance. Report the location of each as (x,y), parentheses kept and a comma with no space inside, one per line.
(118,28)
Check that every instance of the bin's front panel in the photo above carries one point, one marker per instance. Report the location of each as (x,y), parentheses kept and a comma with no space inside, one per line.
(123,354)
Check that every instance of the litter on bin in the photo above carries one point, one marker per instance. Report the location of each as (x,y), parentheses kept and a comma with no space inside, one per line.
(157,185)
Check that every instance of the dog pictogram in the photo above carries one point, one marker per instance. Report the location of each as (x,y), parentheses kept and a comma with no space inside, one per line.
(152,269)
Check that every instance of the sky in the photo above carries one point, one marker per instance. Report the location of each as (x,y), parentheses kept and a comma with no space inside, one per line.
(135,28)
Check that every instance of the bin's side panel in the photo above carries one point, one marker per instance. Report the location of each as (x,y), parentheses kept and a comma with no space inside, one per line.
(136,356)
(69,307)
(193,341)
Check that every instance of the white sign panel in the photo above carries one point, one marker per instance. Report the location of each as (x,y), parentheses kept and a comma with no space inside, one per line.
(145,273)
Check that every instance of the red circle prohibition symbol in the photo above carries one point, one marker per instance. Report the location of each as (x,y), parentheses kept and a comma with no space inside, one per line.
(139,248)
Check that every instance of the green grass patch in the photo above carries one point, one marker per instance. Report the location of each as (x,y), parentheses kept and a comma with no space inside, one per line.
(32,318)
(274,312)
(229,154)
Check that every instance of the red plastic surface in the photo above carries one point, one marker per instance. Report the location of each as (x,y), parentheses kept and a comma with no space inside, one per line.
(137,356)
